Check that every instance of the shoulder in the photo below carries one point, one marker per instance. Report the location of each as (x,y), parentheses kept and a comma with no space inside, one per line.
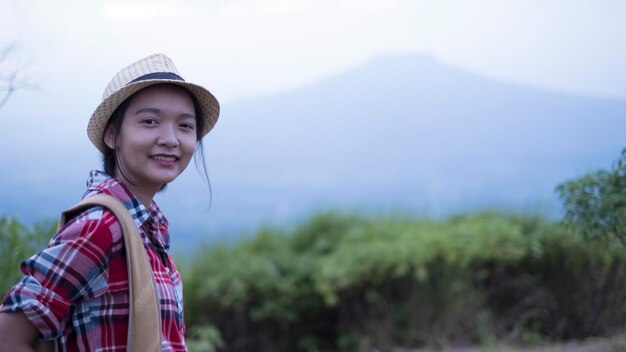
(95,224)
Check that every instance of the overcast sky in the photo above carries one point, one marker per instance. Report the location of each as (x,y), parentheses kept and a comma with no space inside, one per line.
(242,48)
(70,49)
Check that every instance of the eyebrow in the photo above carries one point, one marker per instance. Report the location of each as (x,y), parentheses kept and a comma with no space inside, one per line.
(158,111)
(152,110)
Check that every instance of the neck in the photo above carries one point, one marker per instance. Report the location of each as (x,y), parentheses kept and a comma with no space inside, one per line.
(143,193)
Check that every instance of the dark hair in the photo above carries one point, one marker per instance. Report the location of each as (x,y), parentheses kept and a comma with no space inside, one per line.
(110,157)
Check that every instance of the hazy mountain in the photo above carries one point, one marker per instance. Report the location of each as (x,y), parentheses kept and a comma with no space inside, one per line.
(398,133)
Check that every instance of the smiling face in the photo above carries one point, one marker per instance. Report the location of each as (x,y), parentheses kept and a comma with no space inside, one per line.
(156,140)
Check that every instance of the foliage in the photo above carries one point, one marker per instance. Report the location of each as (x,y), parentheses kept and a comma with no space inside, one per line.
(18,242)
(350,283)
(574,289)
(595,204)
(204,338)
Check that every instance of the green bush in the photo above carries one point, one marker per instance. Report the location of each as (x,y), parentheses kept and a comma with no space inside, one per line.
(348,283)
(18,242)
(257,290)
(572,290)
(595,204)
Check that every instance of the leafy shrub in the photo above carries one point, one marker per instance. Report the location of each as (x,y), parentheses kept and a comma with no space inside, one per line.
(254,292)
(17,242)
(586,283)
(348,283)
(572,290)
(595,204)
(204,338)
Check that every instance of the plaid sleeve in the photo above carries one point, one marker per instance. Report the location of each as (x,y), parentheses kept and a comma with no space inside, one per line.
(73,267)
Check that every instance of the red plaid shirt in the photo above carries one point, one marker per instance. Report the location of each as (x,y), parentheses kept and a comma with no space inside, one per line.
(76,290)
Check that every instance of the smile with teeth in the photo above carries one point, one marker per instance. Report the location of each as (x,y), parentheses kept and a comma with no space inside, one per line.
(163,158)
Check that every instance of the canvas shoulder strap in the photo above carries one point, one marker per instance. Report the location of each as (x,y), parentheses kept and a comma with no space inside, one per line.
(144,321)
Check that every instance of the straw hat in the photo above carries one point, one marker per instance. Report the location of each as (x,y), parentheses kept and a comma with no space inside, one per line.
(152,70)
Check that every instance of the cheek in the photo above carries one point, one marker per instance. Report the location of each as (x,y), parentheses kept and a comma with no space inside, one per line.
(188,146)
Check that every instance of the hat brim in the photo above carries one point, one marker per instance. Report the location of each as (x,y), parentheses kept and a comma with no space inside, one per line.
(209,108)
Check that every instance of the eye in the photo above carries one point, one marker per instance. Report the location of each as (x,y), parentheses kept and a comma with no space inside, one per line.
(150,121)
(187,125)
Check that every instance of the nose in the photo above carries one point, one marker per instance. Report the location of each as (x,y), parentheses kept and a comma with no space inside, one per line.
(167,136)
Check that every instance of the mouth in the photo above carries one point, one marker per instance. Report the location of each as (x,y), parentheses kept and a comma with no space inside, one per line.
(166,158)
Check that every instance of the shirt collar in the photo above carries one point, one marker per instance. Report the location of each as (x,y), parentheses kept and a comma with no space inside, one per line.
(152,218)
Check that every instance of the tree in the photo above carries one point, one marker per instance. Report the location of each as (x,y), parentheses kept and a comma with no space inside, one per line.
(595,204)
(11,74)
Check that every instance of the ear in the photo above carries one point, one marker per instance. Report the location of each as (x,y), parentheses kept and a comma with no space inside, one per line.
(109,138)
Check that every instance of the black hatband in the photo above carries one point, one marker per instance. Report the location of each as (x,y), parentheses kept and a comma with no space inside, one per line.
(158,75)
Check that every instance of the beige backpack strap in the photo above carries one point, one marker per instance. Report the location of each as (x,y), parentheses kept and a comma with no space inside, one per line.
(144,321)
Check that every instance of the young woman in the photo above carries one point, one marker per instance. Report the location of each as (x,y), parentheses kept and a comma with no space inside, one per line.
(75,291)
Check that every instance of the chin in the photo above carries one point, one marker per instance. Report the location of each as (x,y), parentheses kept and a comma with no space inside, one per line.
(165,178)
(164,181)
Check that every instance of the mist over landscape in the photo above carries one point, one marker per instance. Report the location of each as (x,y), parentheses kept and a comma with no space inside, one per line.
(400,133)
